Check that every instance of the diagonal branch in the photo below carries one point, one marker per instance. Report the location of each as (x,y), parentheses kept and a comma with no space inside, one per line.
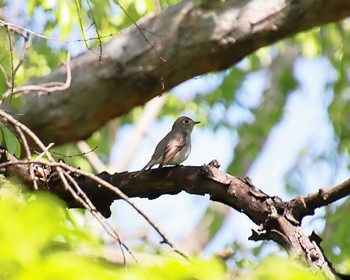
(184,41)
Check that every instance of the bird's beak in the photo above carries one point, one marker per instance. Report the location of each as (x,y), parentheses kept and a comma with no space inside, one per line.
(196,122)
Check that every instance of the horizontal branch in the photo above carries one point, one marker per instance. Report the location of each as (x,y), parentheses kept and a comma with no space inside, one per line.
(163,50)
(274,216)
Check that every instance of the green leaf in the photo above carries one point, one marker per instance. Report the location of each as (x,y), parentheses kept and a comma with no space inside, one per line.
(283,268)
(38,238)
(11,142)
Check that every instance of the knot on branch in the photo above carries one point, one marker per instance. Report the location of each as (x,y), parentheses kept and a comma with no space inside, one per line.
(215,163)
(276,227)
(207,169)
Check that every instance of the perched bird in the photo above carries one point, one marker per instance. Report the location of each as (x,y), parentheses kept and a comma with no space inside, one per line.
(175,147)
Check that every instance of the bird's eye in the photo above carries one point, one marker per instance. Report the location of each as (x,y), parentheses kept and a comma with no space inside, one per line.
(186,121)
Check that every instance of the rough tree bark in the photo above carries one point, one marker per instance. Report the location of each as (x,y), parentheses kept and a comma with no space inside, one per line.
(186,40)
(278,220)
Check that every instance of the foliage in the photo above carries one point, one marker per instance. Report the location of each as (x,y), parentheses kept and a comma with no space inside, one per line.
(10,140)
(336,239)
(282,268)
(174,270)
(40,239)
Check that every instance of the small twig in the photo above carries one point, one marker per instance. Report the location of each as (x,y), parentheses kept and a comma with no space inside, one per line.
(150,111)
(92,158)
(45,87)
(74,155)
(41,155)
(77,4)
(141,30)
(5,76)
(14,28)
(12,82)
(96,30)
(8,118)
(24,52)
(87,204)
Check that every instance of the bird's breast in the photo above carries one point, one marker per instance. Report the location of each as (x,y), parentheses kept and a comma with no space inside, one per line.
(181,155)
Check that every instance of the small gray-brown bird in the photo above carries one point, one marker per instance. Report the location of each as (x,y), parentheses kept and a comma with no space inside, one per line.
(175,147)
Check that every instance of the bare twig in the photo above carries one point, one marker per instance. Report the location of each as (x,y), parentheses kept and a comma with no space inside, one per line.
(12,82)
(149,113)
(14,69)
(15,28)
(80,20)
(5,75)
(86,202)
(89,154)
(45,87)
(96,30)
(142,30)
(45,151)
(24,52)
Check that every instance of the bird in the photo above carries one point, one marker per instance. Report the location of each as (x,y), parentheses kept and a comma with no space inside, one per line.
(175,147)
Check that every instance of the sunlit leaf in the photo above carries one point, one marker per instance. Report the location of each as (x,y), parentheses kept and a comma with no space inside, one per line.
(278,267)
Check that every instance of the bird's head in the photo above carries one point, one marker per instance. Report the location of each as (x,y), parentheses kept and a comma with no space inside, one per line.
(185,124)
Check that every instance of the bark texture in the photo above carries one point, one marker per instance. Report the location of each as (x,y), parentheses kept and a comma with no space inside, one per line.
(184,41)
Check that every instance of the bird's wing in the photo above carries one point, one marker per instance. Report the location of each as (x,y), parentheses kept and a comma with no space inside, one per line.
(157,156)
(173,146)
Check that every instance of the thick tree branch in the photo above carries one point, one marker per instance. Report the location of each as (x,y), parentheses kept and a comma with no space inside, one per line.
(186,40)
(274,216)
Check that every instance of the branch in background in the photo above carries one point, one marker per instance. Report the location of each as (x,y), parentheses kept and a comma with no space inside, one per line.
(91,156)
(191,38)
(206,228)
(150,112)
